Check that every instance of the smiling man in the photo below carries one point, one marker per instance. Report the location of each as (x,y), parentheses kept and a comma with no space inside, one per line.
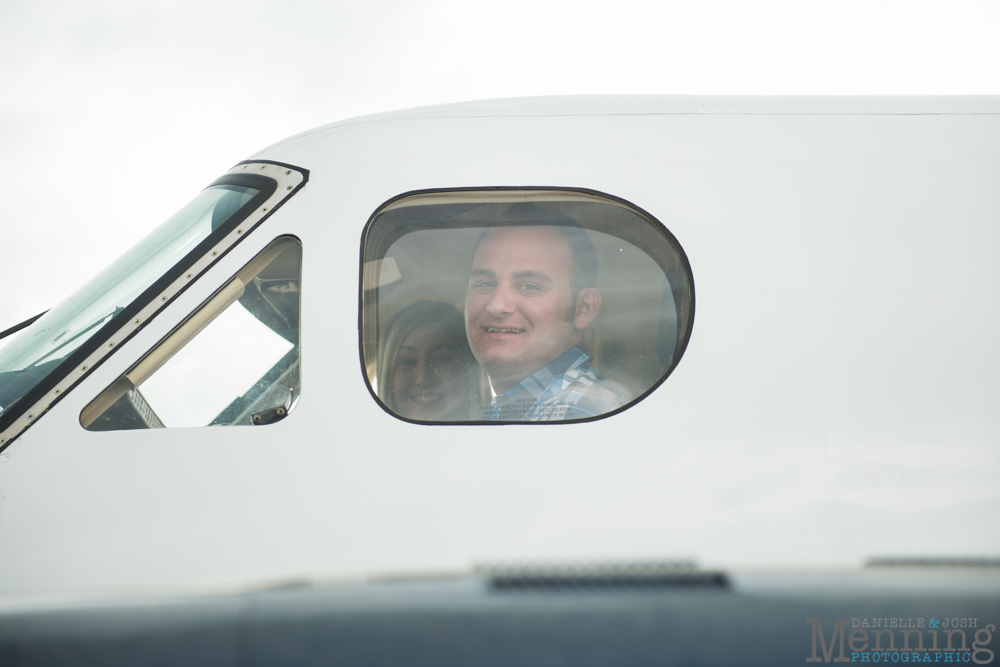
(532,294)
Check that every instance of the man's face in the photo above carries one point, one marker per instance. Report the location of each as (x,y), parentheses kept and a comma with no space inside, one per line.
(519,309)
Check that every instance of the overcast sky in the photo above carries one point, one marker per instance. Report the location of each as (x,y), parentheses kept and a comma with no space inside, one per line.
(113,114)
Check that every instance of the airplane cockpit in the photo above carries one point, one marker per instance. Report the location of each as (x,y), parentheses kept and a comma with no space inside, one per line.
(242,370)
(258,313)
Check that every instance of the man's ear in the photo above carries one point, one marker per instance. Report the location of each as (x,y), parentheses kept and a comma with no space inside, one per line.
(588,304)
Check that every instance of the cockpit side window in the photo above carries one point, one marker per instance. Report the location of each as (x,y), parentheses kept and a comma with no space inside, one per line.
(53,354)
(68,327)
(519,306)
(242,342)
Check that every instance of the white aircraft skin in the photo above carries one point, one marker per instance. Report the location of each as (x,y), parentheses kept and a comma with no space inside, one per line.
(838,399)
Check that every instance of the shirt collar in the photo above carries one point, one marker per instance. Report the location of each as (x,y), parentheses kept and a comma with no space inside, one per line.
(523,395)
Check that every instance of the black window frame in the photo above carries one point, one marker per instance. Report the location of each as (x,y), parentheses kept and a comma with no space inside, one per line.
(672,240)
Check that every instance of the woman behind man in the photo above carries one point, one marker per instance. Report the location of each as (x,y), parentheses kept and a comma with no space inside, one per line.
(426,370)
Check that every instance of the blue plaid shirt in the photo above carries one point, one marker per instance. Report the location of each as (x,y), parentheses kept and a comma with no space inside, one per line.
(566,388)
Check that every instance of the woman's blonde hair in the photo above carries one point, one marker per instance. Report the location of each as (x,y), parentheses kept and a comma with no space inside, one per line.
(413,317)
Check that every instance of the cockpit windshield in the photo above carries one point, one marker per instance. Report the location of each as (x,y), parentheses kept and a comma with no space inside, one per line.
(40,349)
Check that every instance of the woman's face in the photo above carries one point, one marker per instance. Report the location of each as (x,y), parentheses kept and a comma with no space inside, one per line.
(429,379)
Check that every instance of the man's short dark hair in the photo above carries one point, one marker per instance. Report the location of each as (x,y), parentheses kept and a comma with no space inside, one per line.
(584,268)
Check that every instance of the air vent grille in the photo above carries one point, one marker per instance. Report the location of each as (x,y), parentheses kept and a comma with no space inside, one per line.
(931,562)
(607,576)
